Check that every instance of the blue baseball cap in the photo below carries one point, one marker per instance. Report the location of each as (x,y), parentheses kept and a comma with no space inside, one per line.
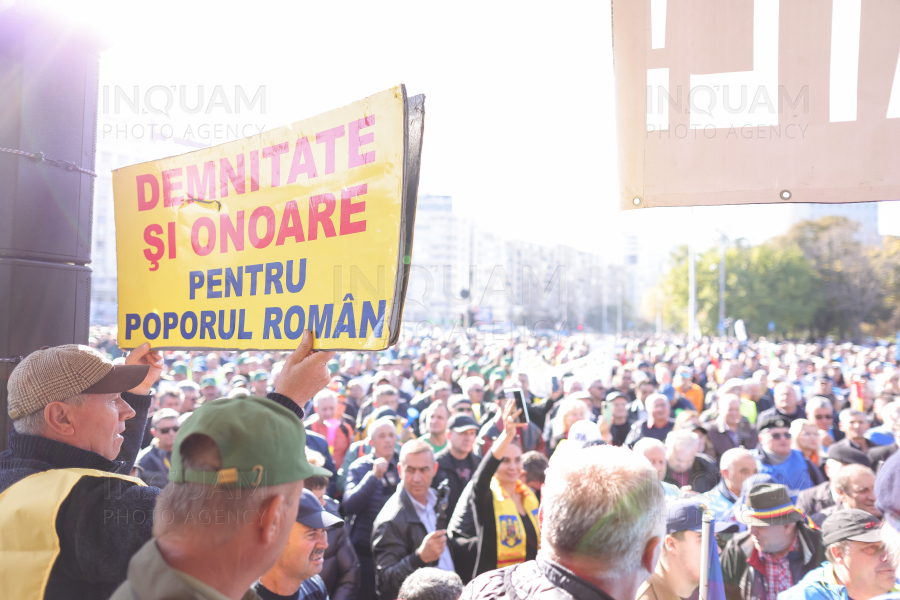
(687,515)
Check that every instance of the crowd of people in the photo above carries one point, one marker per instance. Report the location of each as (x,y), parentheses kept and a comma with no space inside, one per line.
(415,472)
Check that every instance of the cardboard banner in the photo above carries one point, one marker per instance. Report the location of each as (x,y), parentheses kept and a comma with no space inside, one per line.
(756,101)
(244,245)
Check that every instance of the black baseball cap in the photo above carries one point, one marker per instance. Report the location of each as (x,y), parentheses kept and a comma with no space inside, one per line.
(461,422)
(851,524)
(771,422)
(312,514)
(848,455)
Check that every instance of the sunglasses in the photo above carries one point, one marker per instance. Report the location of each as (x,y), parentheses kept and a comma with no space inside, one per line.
(778,436)
(166,430)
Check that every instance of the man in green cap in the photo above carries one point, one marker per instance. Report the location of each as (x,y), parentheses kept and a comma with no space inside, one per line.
(179,371)
(227,512)
(209,388)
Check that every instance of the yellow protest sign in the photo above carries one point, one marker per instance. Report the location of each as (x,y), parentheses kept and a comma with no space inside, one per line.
(244,245)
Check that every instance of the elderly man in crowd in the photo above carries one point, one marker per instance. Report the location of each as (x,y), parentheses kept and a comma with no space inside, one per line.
(730,429)
(855,487)
(775,553)
(405,536)
(371,480)
(326,422)
(296,574)
(786,405)
(657,425)
(190,393)
(736,466)
(858,564)
(824,495)
(602,527)
(820,411)
(195,557)
(171,398)
(655,452)
(152,463)
(887,492)
(775,457)
(688,468)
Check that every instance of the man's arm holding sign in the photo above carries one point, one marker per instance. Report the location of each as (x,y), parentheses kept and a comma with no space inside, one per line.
(305,372)
(139,400)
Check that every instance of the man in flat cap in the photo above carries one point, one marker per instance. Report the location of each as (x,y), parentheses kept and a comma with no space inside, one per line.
(70,516)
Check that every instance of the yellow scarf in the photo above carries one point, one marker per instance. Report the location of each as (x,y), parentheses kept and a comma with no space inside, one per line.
(510,530)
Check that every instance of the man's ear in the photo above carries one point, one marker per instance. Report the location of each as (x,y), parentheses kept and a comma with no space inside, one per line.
(271,518)
(650,556)
(58,420)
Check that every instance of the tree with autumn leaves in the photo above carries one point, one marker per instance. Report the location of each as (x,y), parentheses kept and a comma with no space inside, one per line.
(819,279)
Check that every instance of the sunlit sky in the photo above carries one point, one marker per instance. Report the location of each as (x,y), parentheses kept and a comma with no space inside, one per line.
(520,114)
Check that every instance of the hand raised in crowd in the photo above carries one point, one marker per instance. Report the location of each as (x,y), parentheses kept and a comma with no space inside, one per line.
(433,546)
(511,426)
(142,355)
(380,467)
(305,372)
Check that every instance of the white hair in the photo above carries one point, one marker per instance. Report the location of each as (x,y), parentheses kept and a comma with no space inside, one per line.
(644,444)
(415,447)
(468,382)
(603,503)
(729,457)
(680,439)
(379,423)
(817,402)
(35,424)
(326,393)
(726,399)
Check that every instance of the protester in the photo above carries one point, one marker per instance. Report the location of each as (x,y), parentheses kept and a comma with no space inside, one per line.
(534,467)
(67,414)
(296,574)
(777,551)
(858,565)
(371,480)
(171,398)
(152,463)
(429,583)
(677,573)
(405,536)
(193,557)
(854,424)
(504,508)
(601,526)
(817,498)
(855,488)
(657,426)
(730,429)
(619,426)
(457,462)
(434,425)
(786,405)
(326,422)
(820,411)
(340,569)
(736,466)
(571,410)
(688,468)
(775,457)
(655,451)
(887,492)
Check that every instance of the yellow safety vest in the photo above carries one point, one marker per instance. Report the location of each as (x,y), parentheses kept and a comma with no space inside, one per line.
(29,544)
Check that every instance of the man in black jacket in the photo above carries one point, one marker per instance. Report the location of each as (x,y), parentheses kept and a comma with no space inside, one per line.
(457,462)
(405,536)
(819,497)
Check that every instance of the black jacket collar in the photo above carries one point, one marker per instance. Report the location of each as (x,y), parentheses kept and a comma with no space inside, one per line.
(57,454)
(566,580)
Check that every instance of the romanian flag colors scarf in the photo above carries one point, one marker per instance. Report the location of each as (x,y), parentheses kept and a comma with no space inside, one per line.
(510,530)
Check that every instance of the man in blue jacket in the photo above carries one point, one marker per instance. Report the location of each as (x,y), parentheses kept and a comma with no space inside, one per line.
(858,565)
(775,457)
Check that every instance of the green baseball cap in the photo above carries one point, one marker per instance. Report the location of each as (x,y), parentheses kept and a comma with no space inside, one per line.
(259,376)
(209,381)
(261,443)
(333,366)
(179,368)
